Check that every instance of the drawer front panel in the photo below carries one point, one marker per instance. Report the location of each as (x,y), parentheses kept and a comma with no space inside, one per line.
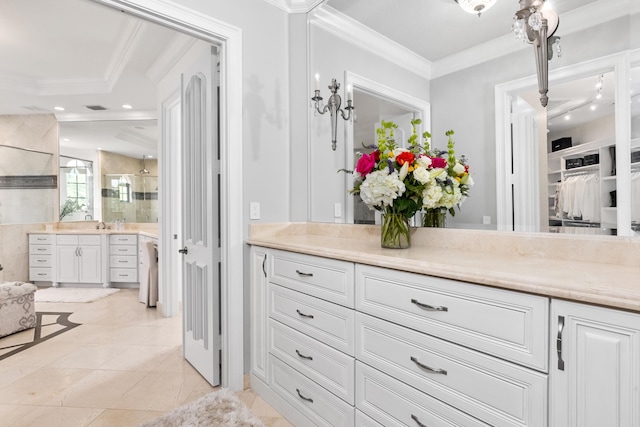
(41,274)
(316,403)
(506,324)
(40,261)
(41,249)
(454,374)
(394,404)
(123,275)
(41,239)
(363,420)
(123,239)
(330,368)
(327,322)
(89,239)
(66,239)
(120,261)
(324,278)
(122,250)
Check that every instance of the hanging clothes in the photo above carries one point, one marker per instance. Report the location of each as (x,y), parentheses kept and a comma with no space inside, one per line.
(578,197)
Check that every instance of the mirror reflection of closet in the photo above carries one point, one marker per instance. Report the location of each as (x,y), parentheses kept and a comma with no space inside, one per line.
(581,146)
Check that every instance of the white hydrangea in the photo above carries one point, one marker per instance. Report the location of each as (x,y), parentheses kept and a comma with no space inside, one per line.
(451,198)
(431,195)
(381,188)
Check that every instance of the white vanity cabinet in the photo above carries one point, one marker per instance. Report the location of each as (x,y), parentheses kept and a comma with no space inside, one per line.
(79,258)
(41,257)
(595,366)
(123,258)
(340,344)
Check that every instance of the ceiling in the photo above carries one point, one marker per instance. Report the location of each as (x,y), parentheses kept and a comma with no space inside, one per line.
(75,53)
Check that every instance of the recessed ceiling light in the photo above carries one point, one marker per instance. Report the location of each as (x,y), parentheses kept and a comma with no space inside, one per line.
(567,117)
(127,106)
(593,107)
(66,139)
(58,108)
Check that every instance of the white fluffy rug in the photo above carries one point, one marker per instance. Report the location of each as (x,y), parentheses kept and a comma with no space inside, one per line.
(72,294)
(221,409)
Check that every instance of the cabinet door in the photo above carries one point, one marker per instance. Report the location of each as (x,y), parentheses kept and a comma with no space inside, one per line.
(67,264)
(258,312)
(595,367)
(90,268)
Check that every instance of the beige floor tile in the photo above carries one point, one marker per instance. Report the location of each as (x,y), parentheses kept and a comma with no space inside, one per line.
(49,416)
(123,418)
(164,391)
(123,365)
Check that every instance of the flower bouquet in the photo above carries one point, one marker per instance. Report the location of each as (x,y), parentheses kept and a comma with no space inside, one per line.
(399,182)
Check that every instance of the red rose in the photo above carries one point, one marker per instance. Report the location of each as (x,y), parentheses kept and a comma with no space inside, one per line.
(405,157)
(438,162)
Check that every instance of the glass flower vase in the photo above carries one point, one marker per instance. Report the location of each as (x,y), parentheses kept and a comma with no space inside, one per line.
(395,233)
(434,218)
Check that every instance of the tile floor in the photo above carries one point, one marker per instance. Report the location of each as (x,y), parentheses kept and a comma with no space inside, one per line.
(122,366)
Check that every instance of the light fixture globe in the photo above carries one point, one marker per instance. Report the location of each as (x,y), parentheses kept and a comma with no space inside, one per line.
(476,6)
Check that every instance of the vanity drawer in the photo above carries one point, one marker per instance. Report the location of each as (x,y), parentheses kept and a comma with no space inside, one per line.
(89,239)
(329,323)
(509,325)
(123,250)
(320,406)
(40,261)
(67,239)
(40,274)
(329,279)
(127,275)
(123,239)
(120,261)
(41,249)
(327,366)
(41,239)
(453,374)
(394,404)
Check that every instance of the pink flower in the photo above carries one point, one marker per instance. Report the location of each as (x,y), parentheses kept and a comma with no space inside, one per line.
(366,163)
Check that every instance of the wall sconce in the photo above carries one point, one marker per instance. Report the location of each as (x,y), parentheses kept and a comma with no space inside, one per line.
(532,25)
(333,106)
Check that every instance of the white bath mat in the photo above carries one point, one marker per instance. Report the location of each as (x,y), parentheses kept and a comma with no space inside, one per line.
(72,294)
(221,409)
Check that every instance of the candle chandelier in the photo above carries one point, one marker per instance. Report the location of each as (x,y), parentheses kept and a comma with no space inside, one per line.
(533,25)
(333,106)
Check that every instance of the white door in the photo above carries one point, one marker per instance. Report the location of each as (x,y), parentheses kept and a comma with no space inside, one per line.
(200,218)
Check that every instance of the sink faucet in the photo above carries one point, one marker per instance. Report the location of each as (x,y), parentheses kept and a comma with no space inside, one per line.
(101,225)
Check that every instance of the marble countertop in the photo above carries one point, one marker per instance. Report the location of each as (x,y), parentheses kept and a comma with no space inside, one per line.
(600,270)
(148,233)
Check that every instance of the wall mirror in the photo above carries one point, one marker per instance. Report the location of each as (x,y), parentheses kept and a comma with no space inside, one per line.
(462,59)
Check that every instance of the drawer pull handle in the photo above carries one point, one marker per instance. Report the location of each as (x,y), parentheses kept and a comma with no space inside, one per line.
(414,418)
(428,307)
(42,260)
(559,343)
(427,368)
(42,274)
(123,261)
(302,273)
(303,356)
(304,398)
(309,316)
(41,249)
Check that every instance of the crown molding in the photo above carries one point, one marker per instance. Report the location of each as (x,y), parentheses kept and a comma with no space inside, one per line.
(352,31)
(178,47)
(295,6)
(123,51)
(91,116)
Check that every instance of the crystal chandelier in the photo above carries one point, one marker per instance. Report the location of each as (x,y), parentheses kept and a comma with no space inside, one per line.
(476,6)
(533,25)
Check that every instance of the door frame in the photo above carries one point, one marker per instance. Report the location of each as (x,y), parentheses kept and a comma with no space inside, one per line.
(229,40)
